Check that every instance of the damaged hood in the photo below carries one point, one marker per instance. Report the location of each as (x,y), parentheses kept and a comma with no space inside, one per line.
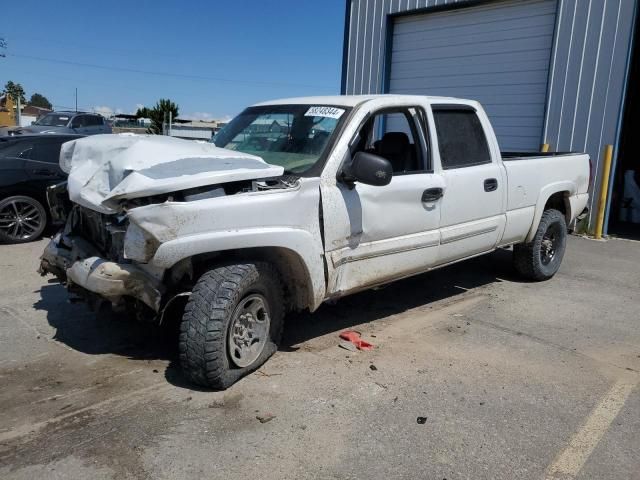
(104,169)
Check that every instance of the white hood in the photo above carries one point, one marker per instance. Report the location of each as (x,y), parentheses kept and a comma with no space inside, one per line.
(105,168)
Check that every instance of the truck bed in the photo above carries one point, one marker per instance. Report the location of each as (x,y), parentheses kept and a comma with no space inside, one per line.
(506,156)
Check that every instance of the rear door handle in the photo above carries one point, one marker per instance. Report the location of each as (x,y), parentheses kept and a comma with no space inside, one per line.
(490,185)
(44,171)
(432,194)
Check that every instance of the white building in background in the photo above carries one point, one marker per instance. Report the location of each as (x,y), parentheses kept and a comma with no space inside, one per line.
(196,130)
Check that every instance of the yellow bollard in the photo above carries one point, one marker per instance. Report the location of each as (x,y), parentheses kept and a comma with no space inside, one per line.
(604,190)
(545,147)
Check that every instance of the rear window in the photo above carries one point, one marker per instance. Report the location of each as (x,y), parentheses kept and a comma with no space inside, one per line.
(48,151)
(461,138)
(94,120)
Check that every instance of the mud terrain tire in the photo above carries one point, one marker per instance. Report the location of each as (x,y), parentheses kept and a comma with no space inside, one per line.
(226,303)
(541,258)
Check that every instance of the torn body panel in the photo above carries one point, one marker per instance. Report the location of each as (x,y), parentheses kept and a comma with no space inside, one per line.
(129,254)
(286,218)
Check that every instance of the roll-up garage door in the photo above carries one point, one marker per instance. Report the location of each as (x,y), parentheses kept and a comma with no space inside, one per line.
(496,53)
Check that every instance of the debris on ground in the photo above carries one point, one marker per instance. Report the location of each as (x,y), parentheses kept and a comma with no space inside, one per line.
(373,367)
(354,337)
(421,420)
(266,417)
(348,346)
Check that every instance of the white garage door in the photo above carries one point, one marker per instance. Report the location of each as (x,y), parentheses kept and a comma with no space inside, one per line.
(497,54)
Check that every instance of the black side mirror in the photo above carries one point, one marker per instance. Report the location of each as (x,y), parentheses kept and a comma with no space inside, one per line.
(369,169)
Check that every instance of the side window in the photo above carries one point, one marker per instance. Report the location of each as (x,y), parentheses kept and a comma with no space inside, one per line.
(94,120)
(16,149)
(461,138)
(79,121)
(47,151)
(393,134)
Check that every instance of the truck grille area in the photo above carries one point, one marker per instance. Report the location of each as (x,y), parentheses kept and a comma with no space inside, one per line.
(104,232)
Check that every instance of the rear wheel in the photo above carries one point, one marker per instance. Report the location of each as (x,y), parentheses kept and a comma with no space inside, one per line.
(541,258)
(22,219)
(232,323)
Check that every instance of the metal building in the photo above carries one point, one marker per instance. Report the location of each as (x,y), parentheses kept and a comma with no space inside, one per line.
(555,72)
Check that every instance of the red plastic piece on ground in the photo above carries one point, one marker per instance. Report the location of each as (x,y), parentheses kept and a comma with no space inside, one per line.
(354,337)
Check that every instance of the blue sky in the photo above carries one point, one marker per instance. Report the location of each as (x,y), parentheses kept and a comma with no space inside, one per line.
(211,57)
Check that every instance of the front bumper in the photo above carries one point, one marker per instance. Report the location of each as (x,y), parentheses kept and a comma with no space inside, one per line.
(79,266)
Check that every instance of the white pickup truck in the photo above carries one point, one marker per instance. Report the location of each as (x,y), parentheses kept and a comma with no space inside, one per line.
(296,202)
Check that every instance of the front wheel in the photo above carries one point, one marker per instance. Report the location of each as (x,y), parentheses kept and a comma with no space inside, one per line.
(541,258)
(22,219)
(232,323)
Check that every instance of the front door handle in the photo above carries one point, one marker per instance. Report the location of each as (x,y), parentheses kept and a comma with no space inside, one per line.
(432,194)
(490,185)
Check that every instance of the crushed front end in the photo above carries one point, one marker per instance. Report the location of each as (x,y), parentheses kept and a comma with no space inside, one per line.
(88,256)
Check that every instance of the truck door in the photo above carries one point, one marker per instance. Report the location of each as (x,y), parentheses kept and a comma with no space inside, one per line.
(472,210)
(374,234)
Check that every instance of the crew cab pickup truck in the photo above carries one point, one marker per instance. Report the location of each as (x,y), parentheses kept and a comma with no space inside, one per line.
(296,202)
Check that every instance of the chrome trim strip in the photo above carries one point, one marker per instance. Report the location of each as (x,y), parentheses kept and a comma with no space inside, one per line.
(382,253)
(469,235)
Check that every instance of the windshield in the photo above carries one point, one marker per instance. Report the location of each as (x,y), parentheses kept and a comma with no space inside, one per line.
(295,137)
(53,120)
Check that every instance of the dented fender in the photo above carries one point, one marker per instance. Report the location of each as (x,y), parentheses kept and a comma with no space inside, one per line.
(300,242)
(288,218)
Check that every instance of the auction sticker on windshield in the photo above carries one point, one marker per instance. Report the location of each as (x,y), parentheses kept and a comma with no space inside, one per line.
(329,112)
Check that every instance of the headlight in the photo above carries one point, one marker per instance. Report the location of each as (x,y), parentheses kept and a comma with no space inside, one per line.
(139,245)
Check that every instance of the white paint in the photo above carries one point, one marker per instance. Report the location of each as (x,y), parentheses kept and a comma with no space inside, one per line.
(574,456)
(372,235)
(105,168)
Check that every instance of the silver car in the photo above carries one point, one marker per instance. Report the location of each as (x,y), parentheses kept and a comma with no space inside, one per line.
(64,122)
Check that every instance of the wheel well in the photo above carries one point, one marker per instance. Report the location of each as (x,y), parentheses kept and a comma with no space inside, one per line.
(560,201)
(291,268)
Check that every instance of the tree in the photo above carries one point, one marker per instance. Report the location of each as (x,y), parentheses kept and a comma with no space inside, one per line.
(38,100)
(160,114)
(143,112)
(15,91)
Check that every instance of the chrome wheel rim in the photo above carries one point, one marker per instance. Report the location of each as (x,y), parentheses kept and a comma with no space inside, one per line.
(549,244)
(20,220)
(249,330)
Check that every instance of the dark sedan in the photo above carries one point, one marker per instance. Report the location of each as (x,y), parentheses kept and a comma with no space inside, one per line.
(28,165)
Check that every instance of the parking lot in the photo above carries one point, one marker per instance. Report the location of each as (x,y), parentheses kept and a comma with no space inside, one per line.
(513,380)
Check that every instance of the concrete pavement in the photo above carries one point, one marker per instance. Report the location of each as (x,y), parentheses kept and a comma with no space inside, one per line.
(516,380)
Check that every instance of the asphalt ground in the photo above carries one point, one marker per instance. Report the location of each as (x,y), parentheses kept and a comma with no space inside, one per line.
(511,379)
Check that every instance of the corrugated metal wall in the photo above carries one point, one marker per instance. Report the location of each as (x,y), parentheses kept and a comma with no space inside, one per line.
(586,79)
(498,53)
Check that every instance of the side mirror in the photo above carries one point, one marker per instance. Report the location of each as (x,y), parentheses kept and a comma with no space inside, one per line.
(369,169)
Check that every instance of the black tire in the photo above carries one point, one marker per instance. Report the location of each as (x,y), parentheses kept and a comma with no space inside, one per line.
(205,354)
(22,219)
(540,259)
